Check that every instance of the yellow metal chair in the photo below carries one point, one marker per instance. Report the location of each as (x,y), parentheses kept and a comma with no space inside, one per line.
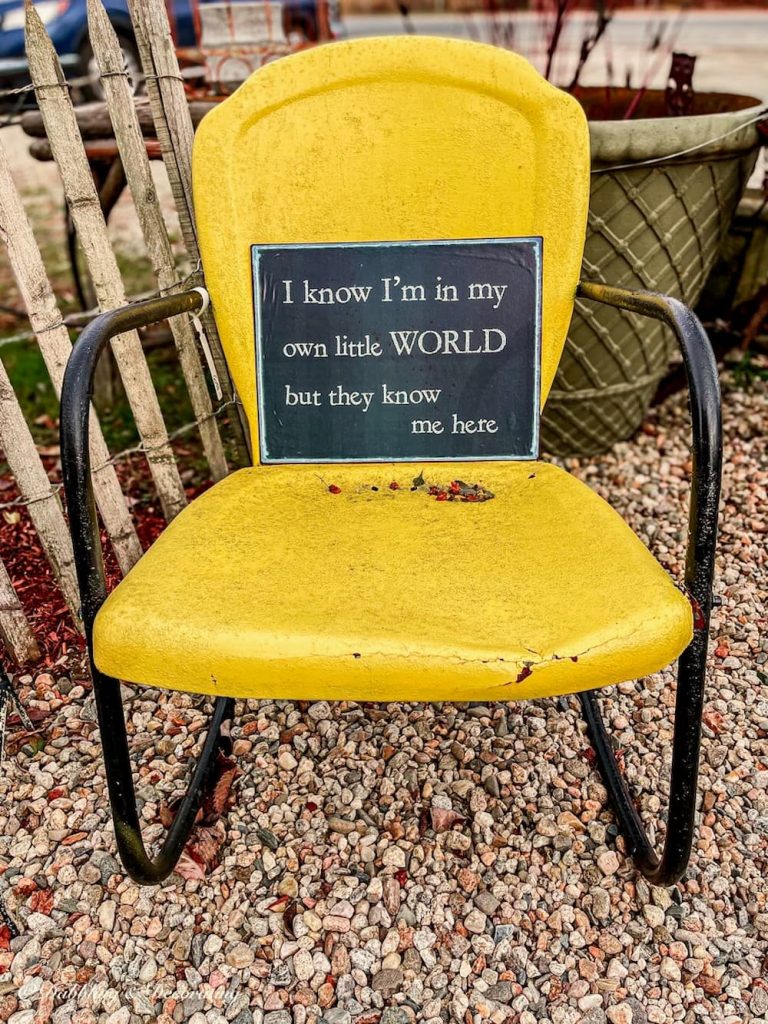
(306,581)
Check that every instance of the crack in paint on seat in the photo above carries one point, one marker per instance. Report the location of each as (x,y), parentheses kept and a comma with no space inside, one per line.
(528,666)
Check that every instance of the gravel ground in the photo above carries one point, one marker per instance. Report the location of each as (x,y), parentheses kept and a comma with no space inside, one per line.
(440,863)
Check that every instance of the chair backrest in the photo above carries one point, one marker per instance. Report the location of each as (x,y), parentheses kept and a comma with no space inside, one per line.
(389,139)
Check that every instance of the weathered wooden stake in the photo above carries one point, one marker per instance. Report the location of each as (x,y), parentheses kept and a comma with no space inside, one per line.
(15,631)
(119,96)
(55,346)
(174,129)
(173,123)
(67,147)
(37,491)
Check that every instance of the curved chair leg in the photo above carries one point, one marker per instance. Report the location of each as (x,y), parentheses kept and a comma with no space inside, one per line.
(689,703)
(139,865)
(707,455)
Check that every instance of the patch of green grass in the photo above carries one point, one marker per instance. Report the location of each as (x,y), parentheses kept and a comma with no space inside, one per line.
(748,370)
(29,379)
(26,367)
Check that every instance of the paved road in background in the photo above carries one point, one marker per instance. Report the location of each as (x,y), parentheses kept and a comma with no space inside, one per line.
(732,50)
(732,47)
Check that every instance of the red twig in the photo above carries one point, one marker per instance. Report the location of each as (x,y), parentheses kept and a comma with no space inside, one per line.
(664,53)
(590,41)
(554,40)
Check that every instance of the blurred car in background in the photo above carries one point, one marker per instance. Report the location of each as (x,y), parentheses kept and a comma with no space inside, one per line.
(67,25)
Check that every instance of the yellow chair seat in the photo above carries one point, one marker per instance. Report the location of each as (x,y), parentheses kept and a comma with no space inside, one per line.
(272,585)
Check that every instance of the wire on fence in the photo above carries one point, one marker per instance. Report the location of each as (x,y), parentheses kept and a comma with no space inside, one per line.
(139,449)
(16,92)
(76,83)
(73,320)
(72,83)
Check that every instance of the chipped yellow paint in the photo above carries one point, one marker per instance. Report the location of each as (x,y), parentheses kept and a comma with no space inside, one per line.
(388,140)
(270,585)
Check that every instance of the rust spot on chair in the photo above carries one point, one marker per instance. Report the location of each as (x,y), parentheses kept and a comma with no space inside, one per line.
(699,622)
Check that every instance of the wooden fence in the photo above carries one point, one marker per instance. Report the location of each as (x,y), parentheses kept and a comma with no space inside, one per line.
(174,130)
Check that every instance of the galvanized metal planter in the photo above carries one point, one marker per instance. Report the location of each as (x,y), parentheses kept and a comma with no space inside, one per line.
(657,219)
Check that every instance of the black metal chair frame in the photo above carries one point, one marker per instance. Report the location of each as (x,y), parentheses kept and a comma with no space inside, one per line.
(701,371)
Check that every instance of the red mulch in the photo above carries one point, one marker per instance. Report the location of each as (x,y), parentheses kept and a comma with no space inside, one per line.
(61,645)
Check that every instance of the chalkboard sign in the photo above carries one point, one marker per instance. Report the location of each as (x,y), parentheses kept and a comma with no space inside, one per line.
(398,351)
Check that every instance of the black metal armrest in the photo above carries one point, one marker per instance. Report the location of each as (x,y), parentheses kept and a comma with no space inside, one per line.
(707,447)
(76,394)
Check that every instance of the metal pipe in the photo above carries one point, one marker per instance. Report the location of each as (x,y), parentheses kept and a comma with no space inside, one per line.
(707,453)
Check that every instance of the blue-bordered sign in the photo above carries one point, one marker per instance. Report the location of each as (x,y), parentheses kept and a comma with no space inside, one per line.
(398,351)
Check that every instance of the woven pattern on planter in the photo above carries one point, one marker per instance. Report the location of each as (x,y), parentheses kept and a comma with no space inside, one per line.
(657,228)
